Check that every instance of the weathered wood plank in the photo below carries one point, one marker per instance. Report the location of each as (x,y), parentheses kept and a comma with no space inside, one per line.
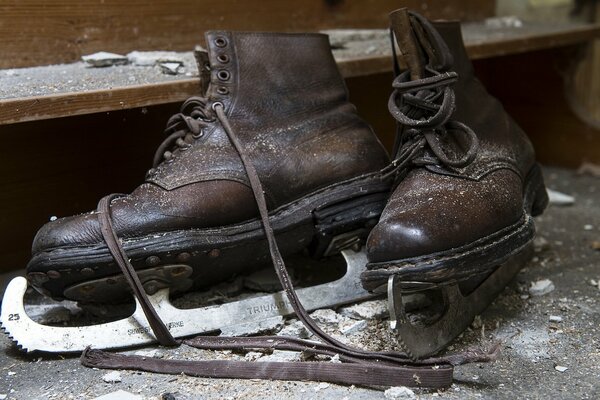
(38,32)
(351,63)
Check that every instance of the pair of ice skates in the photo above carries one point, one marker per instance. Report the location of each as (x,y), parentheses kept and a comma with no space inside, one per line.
(272,159)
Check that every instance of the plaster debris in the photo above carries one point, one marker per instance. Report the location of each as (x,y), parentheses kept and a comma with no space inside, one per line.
(399,392)
(153,353)
(352,328)
(335,359)
(253,328)
(3,396)
(112,377)
(509,21)
(560,368)
(119,395)
(53,218)
(560,199)
(11,373)
(588,227)
(104,59)
(253,355)
(555,318)
(596,283)
(282,356)
(321,386)
(151,58)
(295,329)
(541,287)
(326,317)
(171,68)
(372,309)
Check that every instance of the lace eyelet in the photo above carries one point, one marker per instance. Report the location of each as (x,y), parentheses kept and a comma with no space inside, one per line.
(220,42)
(198,135)
(223,58)
(217,103)
(222,90)
(223,75)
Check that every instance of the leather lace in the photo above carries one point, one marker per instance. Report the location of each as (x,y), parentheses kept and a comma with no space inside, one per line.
(423,108)
(184,127)
(360,366)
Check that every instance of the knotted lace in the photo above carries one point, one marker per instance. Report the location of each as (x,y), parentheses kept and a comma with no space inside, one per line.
(184,127)
(423,107)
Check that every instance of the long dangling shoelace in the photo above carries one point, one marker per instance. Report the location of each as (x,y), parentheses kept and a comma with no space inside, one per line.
(360,367)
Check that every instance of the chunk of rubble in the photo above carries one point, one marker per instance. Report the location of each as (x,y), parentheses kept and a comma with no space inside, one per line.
(353,327)
(104,59)
(560,368)
(119,395)
(399,392)
(555,318)
(326,317)
(372,309)
(151,58)
(295,329)
(253,355)
(560,199)
(171,68)
(112,377)
(509,21)
(541,287)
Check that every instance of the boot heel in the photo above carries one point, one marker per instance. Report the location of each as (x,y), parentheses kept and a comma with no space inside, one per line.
(536,197)
(345,224)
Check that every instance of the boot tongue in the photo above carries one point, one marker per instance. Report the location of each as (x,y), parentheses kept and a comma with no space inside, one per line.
(411,52)
(420,42)
(203,63)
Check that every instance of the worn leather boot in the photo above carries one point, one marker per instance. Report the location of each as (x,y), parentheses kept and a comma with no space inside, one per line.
(194,222)
(467,181)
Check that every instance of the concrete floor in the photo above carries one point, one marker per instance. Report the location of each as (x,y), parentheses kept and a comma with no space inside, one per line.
(532,345)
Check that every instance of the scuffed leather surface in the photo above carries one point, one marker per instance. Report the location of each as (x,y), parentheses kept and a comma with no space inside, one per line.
(437,208)
(287,103)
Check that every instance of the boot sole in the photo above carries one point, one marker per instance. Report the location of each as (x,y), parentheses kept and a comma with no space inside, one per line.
(476,259)
(324,222)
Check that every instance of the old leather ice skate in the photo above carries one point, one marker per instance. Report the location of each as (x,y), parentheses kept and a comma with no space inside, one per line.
(467,188)
(194,221)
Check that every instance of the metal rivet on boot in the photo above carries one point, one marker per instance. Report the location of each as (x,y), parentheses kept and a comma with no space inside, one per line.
(214,253)
(53,274)
(184,257)
(223,58)
(152,261)
(87,271)
(222,90)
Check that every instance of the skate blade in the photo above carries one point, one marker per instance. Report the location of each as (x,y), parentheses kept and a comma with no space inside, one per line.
(135,330)
(458,311)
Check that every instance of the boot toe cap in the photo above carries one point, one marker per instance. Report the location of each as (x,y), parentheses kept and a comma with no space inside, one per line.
(429,214)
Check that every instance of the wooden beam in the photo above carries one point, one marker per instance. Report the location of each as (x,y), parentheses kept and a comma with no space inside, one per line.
(351,64)
(38,32)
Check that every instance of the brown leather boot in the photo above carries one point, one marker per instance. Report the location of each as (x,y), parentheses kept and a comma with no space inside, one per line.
(467,181)
(194,220)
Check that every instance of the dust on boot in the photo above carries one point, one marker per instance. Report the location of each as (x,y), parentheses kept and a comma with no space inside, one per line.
(467,186)
(194,222)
